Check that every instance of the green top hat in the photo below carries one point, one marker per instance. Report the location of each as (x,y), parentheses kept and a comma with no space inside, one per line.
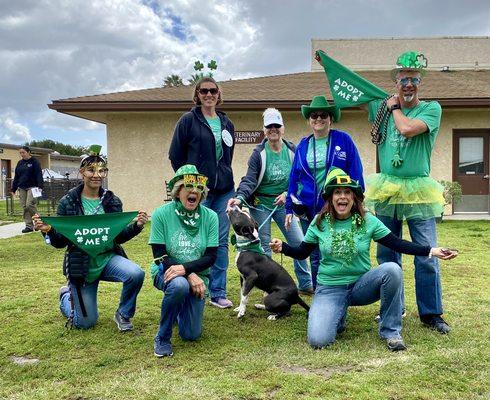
(336,177)
(410,61)
(187,169)
(320,103)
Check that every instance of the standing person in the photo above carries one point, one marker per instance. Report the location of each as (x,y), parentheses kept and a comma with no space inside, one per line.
(78,300)
(265,186)
(344,231)
(314,156)
(204,137)
(403,189)
(184,241)
(28,175)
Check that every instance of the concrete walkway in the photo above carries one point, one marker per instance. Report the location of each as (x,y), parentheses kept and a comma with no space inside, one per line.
(11,230)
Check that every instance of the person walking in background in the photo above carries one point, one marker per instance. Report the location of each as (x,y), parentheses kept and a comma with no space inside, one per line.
(205,138)
(314,156)
(28,176)
(264,187)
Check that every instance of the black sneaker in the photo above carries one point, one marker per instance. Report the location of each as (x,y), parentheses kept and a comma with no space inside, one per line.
(123,324)
(396,344)
(27,230)
(435,322)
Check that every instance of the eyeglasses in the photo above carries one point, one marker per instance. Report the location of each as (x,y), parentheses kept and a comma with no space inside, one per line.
(91,171)
(405,81)
(204,91)
(322,115)
(270,126)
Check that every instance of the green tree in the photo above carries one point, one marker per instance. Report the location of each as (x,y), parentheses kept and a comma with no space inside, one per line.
(65,149)
(172,81)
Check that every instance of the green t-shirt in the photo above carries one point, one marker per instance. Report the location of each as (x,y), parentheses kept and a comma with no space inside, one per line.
(415,151)
(215,124)
(276,176)
(336,271)
(321,147)
(167,229)
(97,263)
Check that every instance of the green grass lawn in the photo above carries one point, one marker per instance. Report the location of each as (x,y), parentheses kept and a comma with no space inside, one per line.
(251,358)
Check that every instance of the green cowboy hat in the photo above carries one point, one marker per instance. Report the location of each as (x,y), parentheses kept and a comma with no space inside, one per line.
(410,61)
(187,169)
(336,177)
(320,103)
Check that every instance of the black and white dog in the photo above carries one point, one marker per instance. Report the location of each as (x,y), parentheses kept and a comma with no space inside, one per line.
(259,270)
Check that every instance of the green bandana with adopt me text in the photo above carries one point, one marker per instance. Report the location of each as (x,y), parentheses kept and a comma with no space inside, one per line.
(93,234)
(348,88)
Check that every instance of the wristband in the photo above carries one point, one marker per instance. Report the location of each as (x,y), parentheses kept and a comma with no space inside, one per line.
(430,252)
(395,107)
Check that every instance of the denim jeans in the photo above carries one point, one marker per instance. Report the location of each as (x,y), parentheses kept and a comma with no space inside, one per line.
(314,256)
(118,269)
(294,237)
(217,278)
(179,305)
(428,290)
(329,307)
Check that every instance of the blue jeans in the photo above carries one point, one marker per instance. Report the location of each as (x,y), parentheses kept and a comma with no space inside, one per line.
(217,278)
(118,269)
(329,307)
(181,306)
(294,237)
(428,290)
(314,256)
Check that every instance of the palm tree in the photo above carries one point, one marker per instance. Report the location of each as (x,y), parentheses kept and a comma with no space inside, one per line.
(173,80)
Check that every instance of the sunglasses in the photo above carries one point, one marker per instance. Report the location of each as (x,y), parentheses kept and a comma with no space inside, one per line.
(205,91)
(322,115)
(405,81)
(270,126)
(91,171)
(197,182)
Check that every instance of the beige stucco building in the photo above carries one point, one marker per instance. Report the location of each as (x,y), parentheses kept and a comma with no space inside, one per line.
(140,123)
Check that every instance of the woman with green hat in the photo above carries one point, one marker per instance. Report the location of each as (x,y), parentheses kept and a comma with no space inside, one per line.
(184,241)
(344,230)
(314,156)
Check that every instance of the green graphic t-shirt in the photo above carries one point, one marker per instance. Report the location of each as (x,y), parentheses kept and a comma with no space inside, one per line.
(320,147)
(276,176)
(336,271)
(415,151)
(168,229)
(215,124)
(97,263)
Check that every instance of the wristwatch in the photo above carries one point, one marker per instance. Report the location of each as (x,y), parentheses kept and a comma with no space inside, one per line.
(395,107)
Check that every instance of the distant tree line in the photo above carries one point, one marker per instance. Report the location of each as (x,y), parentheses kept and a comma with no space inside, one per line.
(65,149)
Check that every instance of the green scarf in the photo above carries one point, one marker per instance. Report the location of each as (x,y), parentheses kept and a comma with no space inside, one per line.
(247,245)
(190,219)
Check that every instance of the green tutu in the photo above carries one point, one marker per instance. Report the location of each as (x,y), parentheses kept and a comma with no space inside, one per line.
(409,198)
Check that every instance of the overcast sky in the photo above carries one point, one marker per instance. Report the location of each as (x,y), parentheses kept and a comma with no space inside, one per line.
(53,49)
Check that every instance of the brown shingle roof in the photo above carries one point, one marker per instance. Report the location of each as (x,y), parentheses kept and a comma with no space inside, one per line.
(456,88)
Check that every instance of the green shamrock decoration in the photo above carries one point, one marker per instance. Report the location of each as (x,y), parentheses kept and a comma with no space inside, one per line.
(396,161)
(212,65)
(198,65)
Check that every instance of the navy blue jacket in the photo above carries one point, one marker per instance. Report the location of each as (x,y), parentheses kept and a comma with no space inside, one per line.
(28,174)
(193,143)
(304,197)
(256,170)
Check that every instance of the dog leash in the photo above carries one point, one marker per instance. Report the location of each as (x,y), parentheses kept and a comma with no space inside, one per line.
(258,209)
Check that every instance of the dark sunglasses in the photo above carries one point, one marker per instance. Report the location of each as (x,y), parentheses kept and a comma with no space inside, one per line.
(205,91)
(322,115)
(270,126)
(405,81)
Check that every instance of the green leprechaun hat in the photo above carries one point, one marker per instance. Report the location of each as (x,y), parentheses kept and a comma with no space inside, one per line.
(320,103)
(336,177)
(410,61)
(187,170)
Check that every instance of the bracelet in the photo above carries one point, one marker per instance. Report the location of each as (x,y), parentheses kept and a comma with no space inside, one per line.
(430,252)
(395,107)
(49,229)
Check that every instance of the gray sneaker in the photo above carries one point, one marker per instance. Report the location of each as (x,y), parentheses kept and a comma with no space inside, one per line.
(123,324)
(396,344)
(162,348)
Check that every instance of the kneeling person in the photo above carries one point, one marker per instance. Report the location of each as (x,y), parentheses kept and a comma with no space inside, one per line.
(78,300)
(184,241)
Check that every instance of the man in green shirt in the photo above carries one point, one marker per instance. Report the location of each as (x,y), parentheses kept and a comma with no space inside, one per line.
(403,189)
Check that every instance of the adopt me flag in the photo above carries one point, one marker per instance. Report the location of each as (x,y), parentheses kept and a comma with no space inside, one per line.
(93,234)
(348,88)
